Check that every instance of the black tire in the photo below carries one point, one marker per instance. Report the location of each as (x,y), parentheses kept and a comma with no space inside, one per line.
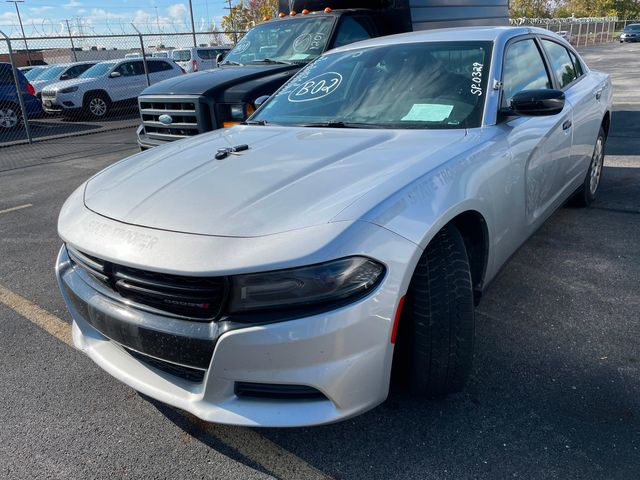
(96,105)
(434,346)
(586,194)
(10,117)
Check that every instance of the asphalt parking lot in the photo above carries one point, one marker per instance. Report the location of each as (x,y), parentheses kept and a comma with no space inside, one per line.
(555,391)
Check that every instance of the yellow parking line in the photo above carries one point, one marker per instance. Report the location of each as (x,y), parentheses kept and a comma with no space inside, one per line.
(273,458)
(13,209)
(36,315)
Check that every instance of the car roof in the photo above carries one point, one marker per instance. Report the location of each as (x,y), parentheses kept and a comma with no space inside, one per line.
(492,34)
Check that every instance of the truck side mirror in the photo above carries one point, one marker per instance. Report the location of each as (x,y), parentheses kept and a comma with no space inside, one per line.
(538,102)
(219,58)
(260,100)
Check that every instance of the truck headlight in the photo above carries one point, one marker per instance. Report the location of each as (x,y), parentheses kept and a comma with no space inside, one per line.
(69,90)
(235,113)
(338,280)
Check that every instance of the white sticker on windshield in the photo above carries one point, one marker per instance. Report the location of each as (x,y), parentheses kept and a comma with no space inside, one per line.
(428,112)
(317,87)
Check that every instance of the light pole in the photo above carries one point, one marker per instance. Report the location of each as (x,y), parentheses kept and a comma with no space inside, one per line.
(193,25)
(24,37)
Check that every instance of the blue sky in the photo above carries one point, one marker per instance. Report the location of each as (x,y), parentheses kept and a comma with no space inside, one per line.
(46,17)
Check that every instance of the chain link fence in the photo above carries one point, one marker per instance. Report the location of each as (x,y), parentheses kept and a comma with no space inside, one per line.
(76,85)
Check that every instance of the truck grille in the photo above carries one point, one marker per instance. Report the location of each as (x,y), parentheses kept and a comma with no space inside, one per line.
(199,298)
(188,117)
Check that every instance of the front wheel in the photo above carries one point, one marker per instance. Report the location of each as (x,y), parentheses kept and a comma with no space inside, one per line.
(96,106)
(434,350)
(586,194)
(9,117)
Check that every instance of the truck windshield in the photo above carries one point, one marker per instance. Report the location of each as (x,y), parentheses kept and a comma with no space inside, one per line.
(295,40)
(426,85)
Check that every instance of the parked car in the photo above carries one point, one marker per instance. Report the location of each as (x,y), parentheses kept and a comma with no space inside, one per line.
(104,86)
(57,73)
(276,273)
(10,111)
(195,59)
(35,72)
(566,35)
(631,33)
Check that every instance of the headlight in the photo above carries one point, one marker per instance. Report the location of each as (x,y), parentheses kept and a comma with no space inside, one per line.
(69,90)
(333,281)
(237,112)
(232,114)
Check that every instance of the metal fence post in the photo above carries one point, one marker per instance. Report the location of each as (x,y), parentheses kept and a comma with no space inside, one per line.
(73,48)
(579,34)
(23,110)
(144,55)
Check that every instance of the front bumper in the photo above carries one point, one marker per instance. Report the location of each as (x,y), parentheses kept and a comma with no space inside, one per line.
(60,103)
(626,38)
(345,354)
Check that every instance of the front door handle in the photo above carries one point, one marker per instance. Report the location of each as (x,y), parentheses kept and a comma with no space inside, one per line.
(598,94)
(566,125)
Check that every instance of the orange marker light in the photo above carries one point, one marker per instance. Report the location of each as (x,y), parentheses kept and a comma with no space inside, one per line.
(305,11)
(229,124)
(266,19)
(327,10)
(293,13)
(282,14)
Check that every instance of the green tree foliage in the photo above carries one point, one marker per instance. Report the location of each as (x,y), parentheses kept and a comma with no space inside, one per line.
(246,14)
(530,8)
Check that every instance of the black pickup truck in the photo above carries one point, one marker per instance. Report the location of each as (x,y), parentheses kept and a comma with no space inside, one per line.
(273,51)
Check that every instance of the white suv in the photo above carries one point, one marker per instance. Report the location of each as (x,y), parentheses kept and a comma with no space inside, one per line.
(105,85)
(201,58)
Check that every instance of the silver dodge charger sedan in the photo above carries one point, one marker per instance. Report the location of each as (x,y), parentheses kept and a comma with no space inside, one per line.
(284,272)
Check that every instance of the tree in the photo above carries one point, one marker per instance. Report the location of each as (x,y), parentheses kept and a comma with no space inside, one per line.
(531,8)
(247,14)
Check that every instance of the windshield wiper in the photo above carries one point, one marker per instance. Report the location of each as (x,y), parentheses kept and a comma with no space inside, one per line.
(340,125)
(271,61)
(254,122)
(231,62)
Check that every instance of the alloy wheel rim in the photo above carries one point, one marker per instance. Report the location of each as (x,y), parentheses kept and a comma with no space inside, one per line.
(98,107)
(596,166)
(8,118)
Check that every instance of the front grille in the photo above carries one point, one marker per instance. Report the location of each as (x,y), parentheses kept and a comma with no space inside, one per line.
(188,117)
(199,298)
(46,94)
(180,371)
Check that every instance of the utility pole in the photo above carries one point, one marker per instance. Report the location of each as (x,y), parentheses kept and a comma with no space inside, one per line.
(193,25)
(24,37)
(73,48)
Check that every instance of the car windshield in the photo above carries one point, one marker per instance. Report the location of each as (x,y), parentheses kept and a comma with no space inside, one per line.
(98,70)
(34,73)
(52,73)
(181,55)
(425,85)
(298,40)
(633,28)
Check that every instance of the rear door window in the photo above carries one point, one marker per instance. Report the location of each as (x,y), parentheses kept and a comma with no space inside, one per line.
(561,63)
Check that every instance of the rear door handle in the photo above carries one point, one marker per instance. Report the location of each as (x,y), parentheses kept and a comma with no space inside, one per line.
(599,94)
(566,125)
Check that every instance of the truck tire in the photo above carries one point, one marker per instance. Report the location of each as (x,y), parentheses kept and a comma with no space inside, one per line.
(96,105)
(9,116)
(586,194)
(434,349)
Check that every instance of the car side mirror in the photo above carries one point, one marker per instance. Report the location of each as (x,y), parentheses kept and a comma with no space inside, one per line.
(260,100)
(65,76)
(537,103)
(114,75)
(219,58)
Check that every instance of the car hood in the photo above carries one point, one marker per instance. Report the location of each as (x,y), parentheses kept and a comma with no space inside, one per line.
(69,83)
(289,178)
(218,79)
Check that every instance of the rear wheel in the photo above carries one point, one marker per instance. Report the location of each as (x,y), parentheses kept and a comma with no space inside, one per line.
(586,194)
(96,105)
(434,349)
(9,116)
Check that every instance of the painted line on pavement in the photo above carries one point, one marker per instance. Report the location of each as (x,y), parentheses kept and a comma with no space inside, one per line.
(13,209)
(272,457)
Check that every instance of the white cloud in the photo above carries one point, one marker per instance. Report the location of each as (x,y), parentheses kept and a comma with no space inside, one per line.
(72,4)
(39,10)
(177,10)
